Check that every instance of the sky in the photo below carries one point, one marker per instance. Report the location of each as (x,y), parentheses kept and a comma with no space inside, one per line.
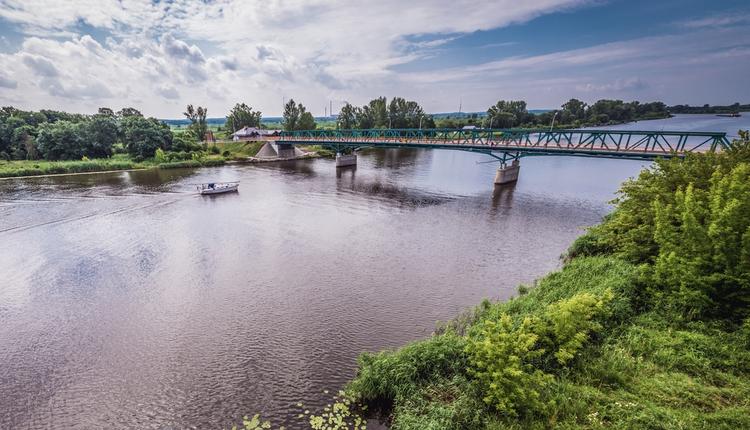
(158,56)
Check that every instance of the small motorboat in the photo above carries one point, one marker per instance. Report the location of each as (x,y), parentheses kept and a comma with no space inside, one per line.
(217,187)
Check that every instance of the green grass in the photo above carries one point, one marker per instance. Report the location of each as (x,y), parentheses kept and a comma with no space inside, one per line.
(11,169)
(41,167)
(640,371)
(240,149)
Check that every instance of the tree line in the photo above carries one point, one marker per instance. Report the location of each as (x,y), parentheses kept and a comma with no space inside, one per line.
(706,108)
(55,135)
(402,113)
(573,113)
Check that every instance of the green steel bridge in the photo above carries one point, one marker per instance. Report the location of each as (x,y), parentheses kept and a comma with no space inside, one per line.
(512,144)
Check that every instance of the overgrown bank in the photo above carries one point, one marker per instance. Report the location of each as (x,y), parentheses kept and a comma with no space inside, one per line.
(646,326)
(214,155)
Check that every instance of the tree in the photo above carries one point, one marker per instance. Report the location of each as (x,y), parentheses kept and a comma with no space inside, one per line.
(506,114)
(241,116)
(184,142)
(573,109)
(291,115)
(61,140)
(100,134)
(128,111)
(373,115)
(197,117)
(105,111)
(142,136)
(306,120)
(347,117)
(404,114)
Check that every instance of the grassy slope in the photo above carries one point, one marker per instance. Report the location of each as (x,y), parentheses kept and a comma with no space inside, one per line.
(43,167)
(640,372)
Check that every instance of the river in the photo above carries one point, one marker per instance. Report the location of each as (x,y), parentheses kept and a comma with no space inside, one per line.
(127,301)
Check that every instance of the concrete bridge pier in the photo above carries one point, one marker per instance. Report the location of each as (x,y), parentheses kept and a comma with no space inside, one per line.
(286,150)
(343,160)
(507,174)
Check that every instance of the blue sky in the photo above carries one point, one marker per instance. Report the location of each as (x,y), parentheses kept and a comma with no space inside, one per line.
(159,56)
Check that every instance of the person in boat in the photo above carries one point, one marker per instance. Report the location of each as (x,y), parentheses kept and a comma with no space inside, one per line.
(211,186)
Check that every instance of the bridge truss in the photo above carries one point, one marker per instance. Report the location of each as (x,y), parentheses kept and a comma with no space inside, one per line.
(512,144)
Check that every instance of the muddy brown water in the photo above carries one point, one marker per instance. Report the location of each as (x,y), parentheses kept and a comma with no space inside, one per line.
(128,301)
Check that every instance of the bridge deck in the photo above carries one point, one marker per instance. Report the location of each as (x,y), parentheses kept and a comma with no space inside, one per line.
(595,143)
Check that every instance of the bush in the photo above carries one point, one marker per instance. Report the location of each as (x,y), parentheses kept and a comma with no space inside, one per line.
(214,149)
(703,263)
(587,245)
(160,156)
(501,359)
(508,359)
(185,142)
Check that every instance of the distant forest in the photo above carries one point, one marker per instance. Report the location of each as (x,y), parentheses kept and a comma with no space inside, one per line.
(735,108)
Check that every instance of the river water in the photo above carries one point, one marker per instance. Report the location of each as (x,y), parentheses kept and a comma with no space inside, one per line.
(127,301)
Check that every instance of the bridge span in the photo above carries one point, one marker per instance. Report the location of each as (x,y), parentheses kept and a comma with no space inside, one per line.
(508,146)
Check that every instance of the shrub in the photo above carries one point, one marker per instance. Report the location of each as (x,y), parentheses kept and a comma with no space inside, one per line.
(587,245)
(501,359)
(509,359)
(703,236)
(160,156)
(214,149)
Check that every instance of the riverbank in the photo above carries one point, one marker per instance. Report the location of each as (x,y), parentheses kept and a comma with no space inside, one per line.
(34,168)
(226,152)
(646,326)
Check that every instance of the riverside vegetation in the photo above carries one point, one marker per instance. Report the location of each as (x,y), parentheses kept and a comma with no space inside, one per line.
(52,142)
(647,325)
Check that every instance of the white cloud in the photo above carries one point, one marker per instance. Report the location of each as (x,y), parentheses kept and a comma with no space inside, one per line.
(168,91)
(718,20)
(629,85)
(179,50)
(159,55)
(313,50)
(6,82)
(40,66)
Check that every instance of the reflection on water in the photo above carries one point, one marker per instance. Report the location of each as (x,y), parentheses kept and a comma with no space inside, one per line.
(127,301)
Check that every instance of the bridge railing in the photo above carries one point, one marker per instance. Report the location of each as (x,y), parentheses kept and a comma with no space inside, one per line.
(606,141)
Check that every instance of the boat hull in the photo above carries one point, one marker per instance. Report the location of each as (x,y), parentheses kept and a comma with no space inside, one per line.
(221,190)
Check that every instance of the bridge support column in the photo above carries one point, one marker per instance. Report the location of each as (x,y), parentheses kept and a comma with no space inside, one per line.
(286,150)
(507,174)
(343,160)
